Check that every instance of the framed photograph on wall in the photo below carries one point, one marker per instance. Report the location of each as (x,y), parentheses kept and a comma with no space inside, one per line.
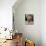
(29,19)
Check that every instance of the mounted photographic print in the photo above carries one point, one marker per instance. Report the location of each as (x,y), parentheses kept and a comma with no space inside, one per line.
(29,19)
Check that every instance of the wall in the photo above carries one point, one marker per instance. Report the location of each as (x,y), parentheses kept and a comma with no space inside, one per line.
(6,13)
(43,22)
(29,31)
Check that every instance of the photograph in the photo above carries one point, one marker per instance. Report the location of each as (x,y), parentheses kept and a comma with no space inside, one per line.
(29,19)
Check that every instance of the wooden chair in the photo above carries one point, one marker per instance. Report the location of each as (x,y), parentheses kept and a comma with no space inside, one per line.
(18,39)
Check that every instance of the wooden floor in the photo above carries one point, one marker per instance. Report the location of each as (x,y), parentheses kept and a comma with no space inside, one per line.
(9,43)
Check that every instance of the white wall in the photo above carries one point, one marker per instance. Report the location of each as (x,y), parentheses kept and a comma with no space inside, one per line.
(43,22)
(29,31)
(6,13)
